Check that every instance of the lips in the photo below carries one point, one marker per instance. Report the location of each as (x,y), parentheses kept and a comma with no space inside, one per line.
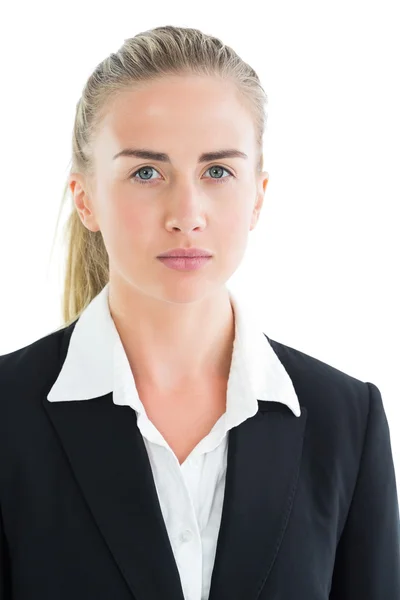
(185,263)
(186,253)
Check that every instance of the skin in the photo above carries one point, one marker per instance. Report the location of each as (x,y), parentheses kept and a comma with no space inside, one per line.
(177,327)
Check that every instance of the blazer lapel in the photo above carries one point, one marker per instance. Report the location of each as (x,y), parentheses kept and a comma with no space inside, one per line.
(107,454)
(109,459)
(264,456)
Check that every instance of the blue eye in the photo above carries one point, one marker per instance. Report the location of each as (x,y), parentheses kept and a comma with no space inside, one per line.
(148,168)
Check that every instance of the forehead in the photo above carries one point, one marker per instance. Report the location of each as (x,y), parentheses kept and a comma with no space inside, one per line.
(198,111)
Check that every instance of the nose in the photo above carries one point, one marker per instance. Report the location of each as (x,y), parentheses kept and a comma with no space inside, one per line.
(187,212)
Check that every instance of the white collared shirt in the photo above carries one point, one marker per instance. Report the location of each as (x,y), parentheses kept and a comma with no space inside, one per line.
(190,495)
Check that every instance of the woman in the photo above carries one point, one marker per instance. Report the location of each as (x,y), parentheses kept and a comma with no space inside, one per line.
(160,445)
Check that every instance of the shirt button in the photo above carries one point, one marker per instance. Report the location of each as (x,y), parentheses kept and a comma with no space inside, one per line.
(186,536)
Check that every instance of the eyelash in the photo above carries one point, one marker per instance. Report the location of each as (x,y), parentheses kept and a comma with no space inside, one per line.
(220,180)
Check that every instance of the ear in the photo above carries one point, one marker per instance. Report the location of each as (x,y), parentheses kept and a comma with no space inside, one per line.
(82,200)
(262,182)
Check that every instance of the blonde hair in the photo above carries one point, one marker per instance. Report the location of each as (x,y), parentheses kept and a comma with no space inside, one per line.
(150,55)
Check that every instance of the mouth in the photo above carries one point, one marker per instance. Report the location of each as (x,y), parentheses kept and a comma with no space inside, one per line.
(185,263)
(186,253)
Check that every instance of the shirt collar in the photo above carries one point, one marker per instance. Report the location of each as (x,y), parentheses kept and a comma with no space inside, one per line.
(95,353)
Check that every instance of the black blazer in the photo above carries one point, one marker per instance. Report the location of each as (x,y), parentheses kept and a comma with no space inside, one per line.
(310,509)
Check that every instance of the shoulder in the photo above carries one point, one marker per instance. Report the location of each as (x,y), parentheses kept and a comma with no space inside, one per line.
(26,377)
(306,370)
(33,368)
(337,403)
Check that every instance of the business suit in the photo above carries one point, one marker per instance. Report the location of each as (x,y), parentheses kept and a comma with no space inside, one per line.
(320,523)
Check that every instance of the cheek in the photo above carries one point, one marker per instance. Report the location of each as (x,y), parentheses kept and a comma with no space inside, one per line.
(232,235)
(125,226)
(237,220)
(128,215)
(133,218)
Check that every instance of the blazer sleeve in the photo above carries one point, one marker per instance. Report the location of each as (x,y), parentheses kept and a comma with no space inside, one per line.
(367,562)
(5,567)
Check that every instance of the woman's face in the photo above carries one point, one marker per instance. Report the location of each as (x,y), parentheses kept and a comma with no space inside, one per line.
(146,206)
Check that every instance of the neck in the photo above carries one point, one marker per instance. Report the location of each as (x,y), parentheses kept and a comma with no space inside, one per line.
(173,344)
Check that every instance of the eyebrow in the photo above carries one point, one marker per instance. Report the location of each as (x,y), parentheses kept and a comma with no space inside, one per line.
(161,156)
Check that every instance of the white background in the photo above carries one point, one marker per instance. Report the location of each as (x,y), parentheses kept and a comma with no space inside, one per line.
(322,265)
